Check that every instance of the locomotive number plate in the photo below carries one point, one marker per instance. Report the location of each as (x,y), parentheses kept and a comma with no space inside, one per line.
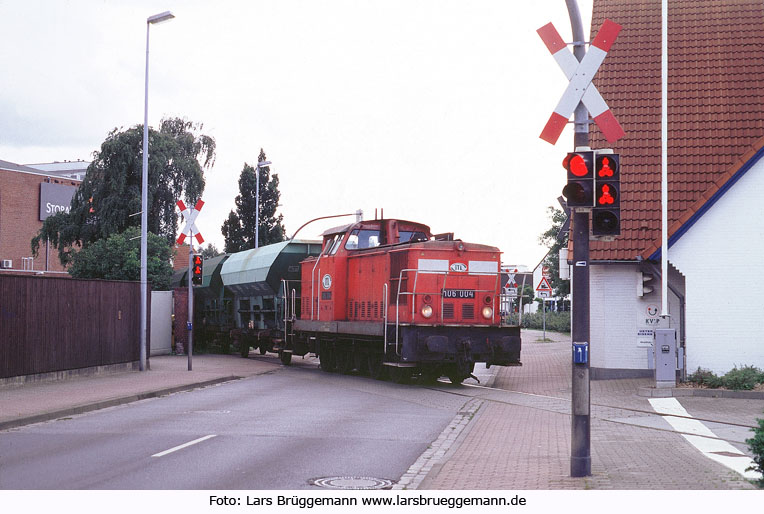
(462,294)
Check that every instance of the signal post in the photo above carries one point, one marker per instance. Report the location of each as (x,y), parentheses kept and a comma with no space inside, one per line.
(195,266)
(581,99)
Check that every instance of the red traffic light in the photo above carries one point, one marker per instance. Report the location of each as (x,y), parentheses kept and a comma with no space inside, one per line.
(197,269)
(606,216)
(579,190)
(607,195)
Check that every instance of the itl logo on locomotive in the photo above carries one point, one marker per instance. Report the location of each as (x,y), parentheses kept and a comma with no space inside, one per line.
(327,281)
(459,267)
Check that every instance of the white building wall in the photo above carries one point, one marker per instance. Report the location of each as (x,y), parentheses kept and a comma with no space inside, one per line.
(719,257)
(621,322)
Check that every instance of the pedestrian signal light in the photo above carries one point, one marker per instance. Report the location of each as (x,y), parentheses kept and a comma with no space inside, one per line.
(579,191)
(606,215)
(197,269)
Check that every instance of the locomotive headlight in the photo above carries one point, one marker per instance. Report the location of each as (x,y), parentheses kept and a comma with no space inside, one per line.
(487,312)
(426,311)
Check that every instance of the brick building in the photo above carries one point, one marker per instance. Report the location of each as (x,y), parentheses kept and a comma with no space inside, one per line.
(715,185)
(29,194)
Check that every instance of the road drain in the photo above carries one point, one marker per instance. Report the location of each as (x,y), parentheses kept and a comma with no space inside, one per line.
(357,483)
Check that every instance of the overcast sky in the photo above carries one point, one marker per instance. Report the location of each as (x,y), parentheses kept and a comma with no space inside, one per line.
(429,109)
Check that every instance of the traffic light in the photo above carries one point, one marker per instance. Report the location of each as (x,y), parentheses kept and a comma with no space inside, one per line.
(579,191)
(606,215)
(197,269)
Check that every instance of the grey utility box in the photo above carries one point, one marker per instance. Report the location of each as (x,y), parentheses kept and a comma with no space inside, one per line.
(665,357)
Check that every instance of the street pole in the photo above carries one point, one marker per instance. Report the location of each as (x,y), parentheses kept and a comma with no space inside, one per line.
(151,20)
(257,206)
(580,451)
(190,323)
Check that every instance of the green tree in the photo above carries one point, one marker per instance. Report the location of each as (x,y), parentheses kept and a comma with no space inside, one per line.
(210,251)
(118,258)
(239,229)
(111,190)
(550,239)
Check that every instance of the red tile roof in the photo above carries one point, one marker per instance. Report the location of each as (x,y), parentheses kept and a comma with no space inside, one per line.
(716,108)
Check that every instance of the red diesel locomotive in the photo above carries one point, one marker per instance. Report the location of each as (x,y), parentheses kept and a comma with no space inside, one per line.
(389,297)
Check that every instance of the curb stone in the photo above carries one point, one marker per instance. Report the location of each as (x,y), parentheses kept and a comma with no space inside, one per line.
(436,452)
(81,409)
(680,392)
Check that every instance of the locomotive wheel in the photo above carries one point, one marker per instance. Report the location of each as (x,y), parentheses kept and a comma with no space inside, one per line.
(360,361)
(454,374)
(400,375)
(376,369)
(285,357)
(454,378)
(430,376)
(327,359)
(344,361)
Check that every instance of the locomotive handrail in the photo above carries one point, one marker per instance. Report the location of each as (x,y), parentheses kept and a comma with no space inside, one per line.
(286,307)
(384,315)
(414,293)
(312,281)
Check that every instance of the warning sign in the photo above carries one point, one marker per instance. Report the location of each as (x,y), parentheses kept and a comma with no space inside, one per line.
(544,290)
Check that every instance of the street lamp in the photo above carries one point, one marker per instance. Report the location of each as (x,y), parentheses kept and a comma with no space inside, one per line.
(260,164)
(157,18)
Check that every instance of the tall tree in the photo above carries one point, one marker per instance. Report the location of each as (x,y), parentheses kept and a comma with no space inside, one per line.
(554,240)
(210,251)
(111,190)
(239,229)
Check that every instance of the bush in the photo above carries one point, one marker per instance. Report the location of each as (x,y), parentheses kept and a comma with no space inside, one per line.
(744,378)
(555,321)
(756,445)
(706,378)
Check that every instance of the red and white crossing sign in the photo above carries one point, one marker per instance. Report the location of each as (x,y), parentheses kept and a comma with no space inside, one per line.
(580,88)
(544,290)
(190,216)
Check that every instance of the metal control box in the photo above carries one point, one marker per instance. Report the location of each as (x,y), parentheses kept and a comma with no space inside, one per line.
(665,356)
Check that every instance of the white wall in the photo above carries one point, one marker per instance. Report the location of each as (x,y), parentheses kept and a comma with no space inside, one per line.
(161,322)
(621,322)
(720,257)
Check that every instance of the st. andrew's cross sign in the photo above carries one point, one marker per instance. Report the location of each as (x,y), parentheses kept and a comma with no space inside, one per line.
(190,216)
(580,88)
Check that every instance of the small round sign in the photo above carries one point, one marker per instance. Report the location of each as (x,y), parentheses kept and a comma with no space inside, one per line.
(327,281)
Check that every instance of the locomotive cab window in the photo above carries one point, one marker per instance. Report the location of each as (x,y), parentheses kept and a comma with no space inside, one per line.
(333,244)
(360,239)
(412,236)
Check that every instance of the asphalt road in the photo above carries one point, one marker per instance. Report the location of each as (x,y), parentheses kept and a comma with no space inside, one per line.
(272,431)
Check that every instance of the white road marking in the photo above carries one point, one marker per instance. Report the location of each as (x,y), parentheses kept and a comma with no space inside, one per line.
(702,438)
(162,454)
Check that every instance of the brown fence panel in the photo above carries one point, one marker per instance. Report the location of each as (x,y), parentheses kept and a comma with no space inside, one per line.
(53,324)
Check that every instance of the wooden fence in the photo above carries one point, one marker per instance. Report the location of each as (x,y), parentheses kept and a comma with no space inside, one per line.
(54,324)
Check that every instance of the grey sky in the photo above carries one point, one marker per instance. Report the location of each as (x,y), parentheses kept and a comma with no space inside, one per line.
(428,109)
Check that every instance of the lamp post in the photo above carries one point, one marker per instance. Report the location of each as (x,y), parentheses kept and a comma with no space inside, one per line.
(157,18)
(260,164)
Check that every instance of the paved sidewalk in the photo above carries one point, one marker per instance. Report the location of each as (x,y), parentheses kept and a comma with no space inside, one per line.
(525,443)
(41,401)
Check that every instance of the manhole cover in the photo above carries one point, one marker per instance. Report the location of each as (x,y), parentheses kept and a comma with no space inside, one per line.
(351,483)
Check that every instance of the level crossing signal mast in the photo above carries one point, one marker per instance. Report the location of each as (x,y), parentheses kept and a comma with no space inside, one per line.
(606,214)
(197,269)
(579,190)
